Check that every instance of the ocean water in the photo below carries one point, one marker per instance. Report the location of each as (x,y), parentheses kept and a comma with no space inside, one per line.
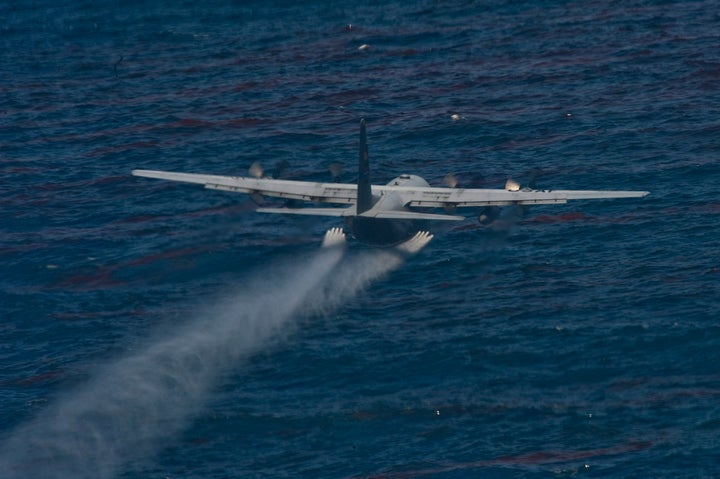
(152,329)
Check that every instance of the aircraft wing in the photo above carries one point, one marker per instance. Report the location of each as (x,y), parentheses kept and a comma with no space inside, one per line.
(411,196)
(342,193)
(432,197)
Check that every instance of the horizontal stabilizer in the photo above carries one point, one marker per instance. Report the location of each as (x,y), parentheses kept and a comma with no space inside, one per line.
(345,212)
(310,211)
(410,215)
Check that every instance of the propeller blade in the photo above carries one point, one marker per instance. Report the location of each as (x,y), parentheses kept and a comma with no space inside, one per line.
(256,170)
(336,170)
(450,180)
(512,185)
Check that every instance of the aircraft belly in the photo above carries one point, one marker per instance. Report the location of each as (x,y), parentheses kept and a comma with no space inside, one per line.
(382,232)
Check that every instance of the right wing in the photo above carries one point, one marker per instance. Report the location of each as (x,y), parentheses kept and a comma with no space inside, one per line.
(433,197)
(341,193)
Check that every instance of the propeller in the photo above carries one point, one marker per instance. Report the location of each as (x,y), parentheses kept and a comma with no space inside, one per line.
(464,179)
(488,214)
(336,170)
(256,170)
(450,180)
(532,176)
(512,185)
(280,168)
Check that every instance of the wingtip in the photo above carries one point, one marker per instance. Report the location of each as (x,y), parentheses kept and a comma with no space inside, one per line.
(144,173)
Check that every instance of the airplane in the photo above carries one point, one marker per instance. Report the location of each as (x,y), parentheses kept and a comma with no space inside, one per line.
(382,215)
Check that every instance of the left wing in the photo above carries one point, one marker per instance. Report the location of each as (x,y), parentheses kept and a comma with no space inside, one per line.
(342,193)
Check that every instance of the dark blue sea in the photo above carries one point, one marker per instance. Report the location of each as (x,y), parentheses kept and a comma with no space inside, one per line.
(151,329)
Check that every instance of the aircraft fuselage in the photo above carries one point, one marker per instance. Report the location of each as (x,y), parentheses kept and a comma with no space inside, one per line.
(387,232)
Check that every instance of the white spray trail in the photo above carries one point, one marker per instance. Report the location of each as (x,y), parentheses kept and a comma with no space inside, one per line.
(358,272)
(135,405)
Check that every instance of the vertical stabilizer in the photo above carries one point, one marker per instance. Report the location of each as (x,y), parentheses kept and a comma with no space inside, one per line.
(364,191)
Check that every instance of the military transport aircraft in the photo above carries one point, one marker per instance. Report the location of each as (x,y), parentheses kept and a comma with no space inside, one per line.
(383,215)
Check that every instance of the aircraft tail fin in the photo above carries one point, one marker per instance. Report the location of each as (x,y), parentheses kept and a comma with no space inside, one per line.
(364,190)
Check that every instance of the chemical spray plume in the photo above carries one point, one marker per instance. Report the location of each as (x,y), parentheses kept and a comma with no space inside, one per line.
(132,407)
(357,272)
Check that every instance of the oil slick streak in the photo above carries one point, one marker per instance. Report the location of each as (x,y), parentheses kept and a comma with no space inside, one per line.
(551,462)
